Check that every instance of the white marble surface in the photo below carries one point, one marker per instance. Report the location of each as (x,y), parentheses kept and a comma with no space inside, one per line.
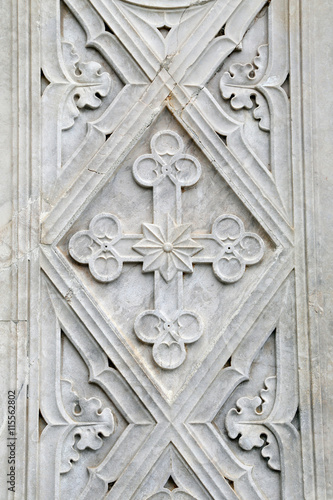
(165,273)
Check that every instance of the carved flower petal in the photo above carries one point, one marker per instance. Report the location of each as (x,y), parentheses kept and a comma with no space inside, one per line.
(154,260)
(168,270)
(146,247)
(147,171)
(187,170)
(105,226)
(169,355)
(228,227)
(176,233)
(180,237)
(105,267)
(153,233)
(182,261)
(148,326)
(188,247)
(190,327)
(81,247)
(228,268)
(251,248)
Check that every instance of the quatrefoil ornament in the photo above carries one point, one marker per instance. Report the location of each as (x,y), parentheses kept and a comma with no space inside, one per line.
(168,248)
(239,248)
(95,247)
(167,159)
(168,336)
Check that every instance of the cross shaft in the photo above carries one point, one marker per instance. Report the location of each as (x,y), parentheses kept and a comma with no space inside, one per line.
(168,248)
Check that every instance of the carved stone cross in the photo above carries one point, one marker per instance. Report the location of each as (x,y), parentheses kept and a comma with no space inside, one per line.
(168,248)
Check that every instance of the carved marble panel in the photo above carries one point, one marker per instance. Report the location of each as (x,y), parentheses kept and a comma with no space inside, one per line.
(170,350)
(167,252)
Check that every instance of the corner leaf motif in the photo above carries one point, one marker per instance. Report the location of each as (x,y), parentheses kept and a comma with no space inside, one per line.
(242,82)
(89,84)
(249,425)
(90,425)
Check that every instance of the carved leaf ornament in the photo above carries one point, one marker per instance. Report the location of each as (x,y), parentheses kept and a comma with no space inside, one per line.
(249,425)
(242,82)
(88,85)
(90,425)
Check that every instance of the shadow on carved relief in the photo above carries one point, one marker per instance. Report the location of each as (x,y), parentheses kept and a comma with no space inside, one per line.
(44,82)
(210,248)
(94,83)
(240,421)
(234,87)
(97,423)
(171,478)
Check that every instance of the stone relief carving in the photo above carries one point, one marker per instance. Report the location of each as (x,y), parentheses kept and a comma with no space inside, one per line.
(191,281)
(242,82)
(100,422)
(91,425)
(173,480)
(177,494)
(171,490)
(167,248)
(89,84)
(95,247)
(249,424)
